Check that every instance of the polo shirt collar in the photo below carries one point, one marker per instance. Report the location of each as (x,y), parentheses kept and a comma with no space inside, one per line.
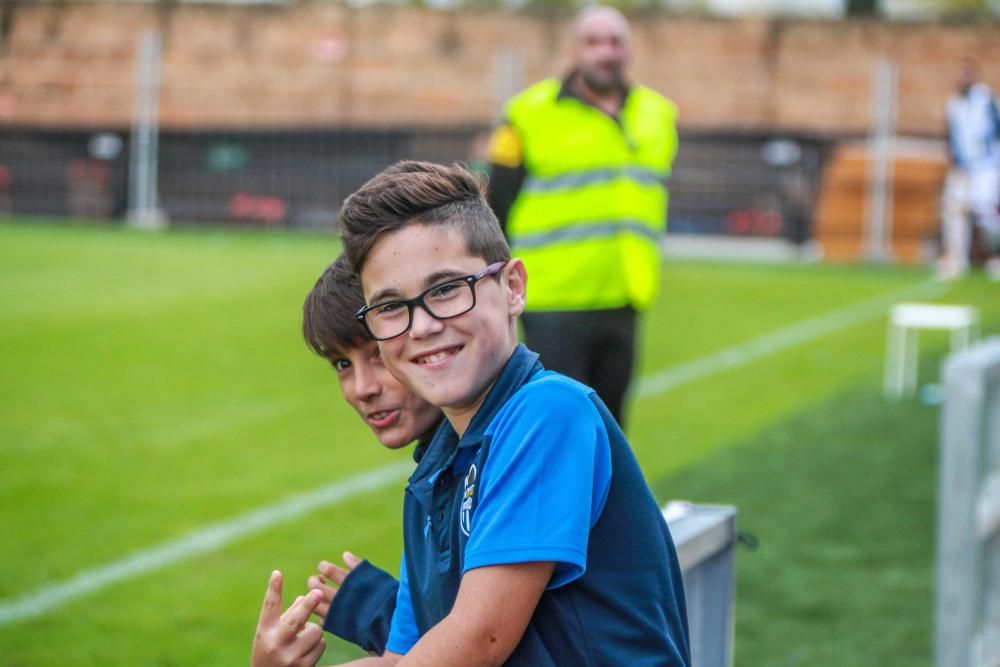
(439,453)
(523,363)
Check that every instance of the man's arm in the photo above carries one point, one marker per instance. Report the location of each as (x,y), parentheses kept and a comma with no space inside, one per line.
(490,615)
(507,172)
(505,184)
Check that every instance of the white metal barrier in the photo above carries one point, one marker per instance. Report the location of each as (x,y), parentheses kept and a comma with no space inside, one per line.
(968,561)
(705,537)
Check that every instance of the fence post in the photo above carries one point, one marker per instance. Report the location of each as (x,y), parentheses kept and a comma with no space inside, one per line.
(143,206)
(508,78)
(967,622)
(878,222)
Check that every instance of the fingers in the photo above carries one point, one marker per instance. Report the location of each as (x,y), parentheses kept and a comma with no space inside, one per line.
(270,611)
(351,560)
(311,635)
(332,572)
(314,654)
(300,650)
(294,619)
(308,643)
(317,583)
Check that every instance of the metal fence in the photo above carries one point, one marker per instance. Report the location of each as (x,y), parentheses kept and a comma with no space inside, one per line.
(295,177)
(729,183)
(968,567)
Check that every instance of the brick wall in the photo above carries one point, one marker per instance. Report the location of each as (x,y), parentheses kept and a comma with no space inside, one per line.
(321,64)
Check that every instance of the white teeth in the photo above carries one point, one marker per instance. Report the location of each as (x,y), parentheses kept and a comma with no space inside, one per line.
(434,358)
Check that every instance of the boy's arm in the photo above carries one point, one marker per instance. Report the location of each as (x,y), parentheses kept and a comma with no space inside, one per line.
(360,610)
(491,612)
(386,660)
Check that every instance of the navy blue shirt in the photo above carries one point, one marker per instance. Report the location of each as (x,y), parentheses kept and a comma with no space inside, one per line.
(543,473)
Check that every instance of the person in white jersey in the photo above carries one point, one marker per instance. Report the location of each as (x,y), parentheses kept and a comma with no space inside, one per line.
(973,182)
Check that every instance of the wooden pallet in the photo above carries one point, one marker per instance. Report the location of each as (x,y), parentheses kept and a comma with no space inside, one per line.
(918,176)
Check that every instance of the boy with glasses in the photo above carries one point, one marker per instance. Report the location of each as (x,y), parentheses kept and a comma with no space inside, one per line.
(530,535)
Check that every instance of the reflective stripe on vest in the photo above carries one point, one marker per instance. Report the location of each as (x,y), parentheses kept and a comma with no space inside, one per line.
(586,230)
(579,179)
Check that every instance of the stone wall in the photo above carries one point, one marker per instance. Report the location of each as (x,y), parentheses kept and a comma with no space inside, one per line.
(321,64)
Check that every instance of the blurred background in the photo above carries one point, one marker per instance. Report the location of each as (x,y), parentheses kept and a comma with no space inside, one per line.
(269,112)
(170,178)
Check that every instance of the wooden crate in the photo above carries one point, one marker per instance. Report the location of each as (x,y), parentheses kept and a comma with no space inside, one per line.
(918,175)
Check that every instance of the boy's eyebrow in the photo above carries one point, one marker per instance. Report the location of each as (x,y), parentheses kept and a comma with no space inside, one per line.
(431,280)
(441,276)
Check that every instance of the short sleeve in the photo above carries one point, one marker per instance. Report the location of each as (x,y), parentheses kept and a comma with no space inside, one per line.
(403,632)
(544,482)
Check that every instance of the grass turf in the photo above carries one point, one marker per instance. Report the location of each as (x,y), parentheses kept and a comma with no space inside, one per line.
(155,384)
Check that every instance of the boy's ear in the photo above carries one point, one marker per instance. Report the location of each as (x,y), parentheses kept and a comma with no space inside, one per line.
(515,278)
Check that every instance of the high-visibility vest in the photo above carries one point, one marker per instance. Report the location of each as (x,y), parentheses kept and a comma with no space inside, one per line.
(589,216)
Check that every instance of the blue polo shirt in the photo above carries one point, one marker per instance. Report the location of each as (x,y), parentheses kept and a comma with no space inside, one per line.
(543,473)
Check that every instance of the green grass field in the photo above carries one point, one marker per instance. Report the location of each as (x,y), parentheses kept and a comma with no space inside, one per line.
(152,385)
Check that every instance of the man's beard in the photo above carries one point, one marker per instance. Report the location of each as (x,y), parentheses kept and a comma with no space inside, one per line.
(613,82)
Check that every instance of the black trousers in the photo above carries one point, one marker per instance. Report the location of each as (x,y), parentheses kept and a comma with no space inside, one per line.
(595,347)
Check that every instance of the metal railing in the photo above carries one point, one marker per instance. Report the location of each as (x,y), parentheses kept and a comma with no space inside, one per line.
(968,560)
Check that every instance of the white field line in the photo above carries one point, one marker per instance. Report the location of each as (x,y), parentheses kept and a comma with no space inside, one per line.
(732,357)
(203,541)
(221,534)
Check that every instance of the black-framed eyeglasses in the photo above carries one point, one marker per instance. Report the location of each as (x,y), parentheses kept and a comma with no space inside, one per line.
(442,301)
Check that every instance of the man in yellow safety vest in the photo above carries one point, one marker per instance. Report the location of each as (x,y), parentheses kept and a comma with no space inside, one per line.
(578,175)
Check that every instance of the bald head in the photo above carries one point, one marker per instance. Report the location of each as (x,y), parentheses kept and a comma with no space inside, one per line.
(599,15)
(601,48)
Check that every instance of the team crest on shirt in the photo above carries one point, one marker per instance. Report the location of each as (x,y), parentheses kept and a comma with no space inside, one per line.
(465,516)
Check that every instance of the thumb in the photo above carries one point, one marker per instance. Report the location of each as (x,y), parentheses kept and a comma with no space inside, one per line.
(270,611)
(351,560)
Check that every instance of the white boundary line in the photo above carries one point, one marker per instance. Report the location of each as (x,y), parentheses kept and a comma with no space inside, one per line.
(219,535)
(672,377)
(212,538)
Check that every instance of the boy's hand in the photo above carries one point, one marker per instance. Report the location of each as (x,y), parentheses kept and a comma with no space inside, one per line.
(286,640)
(328,572)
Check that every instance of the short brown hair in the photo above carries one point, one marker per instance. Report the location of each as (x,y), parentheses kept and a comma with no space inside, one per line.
(328,322)
(424,193)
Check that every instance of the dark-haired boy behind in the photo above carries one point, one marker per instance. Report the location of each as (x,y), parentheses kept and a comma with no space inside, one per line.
(355,602)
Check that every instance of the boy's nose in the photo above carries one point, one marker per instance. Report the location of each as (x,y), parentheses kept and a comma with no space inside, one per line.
(424,323)
(366,386)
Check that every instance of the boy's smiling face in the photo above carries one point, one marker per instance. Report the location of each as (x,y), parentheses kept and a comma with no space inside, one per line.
(451,363)
(396,415)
